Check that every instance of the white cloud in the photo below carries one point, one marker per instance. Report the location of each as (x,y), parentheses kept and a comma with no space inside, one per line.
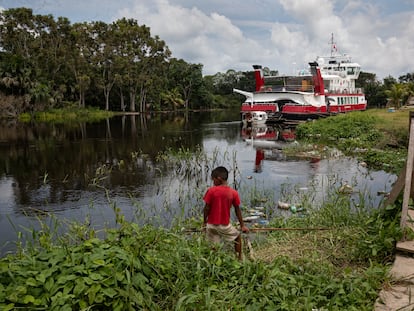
(222,35)
(193,35)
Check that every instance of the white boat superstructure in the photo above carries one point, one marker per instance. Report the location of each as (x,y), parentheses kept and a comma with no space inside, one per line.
(327,88)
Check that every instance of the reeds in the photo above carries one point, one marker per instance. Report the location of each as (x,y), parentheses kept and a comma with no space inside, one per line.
(132,265)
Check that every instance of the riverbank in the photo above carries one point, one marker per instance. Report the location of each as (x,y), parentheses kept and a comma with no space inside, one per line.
(148,268)
(143,267)
(376,137)
(67,115)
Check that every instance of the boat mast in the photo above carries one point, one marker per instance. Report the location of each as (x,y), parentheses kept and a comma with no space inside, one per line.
(334,49)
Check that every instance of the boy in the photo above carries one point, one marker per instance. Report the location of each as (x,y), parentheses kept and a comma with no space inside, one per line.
(218,201)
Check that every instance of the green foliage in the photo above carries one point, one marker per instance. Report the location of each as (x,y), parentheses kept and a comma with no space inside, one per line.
(388,160)
(67,115)
(147,268)
(116,66)
(360,134)
(153,269)
(348,130)
(366,234)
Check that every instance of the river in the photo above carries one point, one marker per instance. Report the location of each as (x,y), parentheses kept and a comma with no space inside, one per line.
(53,174)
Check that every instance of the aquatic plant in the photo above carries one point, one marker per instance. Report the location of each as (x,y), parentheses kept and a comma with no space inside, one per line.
(143,267)
(370,136)
(128,266)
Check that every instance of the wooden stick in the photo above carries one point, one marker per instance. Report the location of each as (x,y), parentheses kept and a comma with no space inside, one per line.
(270,229)
(285,229)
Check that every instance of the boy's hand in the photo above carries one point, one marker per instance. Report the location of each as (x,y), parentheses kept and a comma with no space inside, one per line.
(245,229)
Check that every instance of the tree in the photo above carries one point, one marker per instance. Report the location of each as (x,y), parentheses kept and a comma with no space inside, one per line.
(79,60)
(408,77)
(395,94)
(103,58)
(187,77)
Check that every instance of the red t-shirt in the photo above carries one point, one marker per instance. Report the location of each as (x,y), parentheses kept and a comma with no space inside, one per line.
(220,199)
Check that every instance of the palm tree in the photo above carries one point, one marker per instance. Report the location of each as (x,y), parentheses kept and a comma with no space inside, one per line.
(395,94)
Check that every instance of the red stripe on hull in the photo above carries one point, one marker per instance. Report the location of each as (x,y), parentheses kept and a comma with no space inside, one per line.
(301,112)
(266,108)
(295,109)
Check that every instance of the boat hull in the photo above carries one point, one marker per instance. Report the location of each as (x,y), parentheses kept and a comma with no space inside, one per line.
(302,105)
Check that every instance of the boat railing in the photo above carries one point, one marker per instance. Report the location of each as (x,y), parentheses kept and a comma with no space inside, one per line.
(357,90)
(288,88)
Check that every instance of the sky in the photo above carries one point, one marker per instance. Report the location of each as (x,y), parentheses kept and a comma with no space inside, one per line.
(284,35)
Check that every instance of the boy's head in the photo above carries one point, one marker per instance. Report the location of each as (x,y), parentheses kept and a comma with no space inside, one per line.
(220,175)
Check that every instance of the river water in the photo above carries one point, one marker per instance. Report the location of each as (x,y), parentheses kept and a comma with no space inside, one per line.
(53,174)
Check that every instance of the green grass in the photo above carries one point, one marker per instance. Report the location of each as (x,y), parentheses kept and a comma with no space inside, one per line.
(67,115)
(149,268)
(374,136)
(133,267)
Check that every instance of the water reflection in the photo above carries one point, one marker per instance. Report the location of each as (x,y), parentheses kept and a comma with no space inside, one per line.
(77,171)
(268,140)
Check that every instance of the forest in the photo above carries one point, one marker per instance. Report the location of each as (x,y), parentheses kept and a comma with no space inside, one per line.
(50,63)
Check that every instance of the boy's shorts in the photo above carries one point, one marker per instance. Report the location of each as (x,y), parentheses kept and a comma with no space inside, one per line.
(216,232)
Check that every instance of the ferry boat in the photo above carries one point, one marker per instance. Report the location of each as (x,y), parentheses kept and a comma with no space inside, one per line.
(327,88)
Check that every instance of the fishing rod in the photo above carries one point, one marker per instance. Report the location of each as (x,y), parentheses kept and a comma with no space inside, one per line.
(268,229)
(287,229)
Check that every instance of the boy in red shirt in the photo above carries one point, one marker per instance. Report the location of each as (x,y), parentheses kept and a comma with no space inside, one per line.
(218,201)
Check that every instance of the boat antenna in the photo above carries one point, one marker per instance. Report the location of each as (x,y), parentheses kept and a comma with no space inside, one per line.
(334,49)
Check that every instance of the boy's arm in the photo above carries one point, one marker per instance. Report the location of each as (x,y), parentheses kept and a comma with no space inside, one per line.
(240,218)
(206,213)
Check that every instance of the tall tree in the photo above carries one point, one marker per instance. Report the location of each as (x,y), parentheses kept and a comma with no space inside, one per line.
(103,58)
(187,77)
(79,60)
(395,94)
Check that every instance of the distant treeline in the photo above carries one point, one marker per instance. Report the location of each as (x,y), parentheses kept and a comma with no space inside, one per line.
(50,63)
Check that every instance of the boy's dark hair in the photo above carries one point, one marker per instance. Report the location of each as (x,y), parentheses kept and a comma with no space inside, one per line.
(221,172)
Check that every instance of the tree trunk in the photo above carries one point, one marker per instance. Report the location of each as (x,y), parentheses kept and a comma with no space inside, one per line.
(106,101)
(132,96)
(121,94)
(142,100)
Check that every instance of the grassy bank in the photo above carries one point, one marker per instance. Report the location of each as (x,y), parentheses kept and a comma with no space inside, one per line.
(146,268)
(67,115)
(376,136)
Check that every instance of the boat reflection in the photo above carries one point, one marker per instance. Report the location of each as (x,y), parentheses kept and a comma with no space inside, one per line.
(268,136)
(269,142)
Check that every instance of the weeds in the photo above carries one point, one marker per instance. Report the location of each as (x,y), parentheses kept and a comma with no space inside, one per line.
(143,267)
(133,267)
(368,135)
(147,268)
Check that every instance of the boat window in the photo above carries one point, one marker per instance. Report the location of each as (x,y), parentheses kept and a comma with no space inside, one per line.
(351,70)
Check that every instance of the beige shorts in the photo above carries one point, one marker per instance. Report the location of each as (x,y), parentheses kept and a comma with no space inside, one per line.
(226,232)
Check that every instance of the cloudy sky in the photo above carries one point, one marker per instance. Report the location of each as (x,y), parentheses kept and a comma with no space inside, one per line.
(283,35)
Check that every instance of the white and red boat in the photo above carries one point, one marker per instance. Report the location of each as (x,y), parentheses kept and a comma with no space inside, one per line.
(328,88)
